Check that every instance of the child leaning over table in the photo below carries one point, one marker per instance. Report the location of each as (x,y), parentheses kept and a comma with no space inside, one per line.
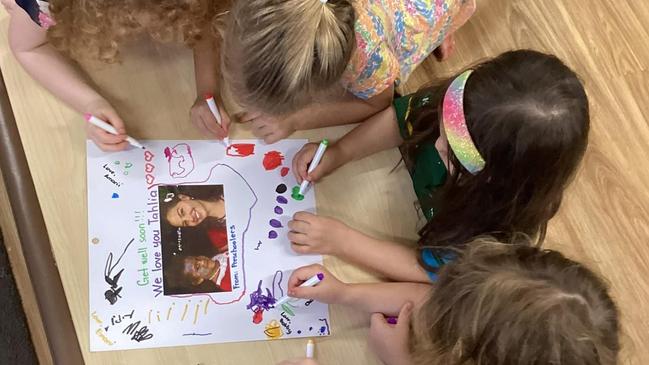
(304,64)
(42,33)
(496,304)
(490,150)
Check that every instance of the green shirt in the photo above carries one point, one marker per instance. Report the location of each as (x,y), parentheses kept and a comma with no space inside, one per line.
(428,172)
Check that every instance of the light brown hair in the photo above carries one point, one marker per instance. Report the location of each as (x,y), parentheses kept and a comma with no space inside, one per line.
(502,304)
(94,29)
(279,54)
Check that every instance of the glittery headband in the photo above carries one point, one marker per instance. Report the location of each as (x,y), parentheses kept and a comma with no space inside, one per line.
(457,133)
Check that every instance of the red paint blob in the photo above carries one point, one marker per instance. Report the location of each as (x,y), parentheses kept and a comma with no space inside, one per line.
(284,171)
(258,316)
(240,149)
(272,160)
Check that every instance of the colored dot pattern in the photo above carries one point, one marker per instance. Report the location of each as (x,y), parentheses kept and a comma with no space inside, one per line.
(281,200)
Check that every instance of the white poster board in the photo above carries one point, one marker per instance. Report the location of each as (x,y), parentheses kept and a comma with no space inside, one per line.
(188,245)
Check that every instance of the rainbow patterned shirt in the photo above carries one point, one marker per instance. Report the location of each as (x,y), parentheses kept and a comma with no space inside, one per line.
(394,36)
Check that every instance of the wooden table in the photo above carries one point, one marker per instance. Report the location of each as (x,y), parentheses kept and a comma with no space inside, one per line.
(603,221)
(153,89)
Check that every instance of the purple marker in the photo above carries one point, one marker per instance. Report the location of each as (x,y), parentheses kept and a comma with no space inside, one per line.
(391,320)
(313,281)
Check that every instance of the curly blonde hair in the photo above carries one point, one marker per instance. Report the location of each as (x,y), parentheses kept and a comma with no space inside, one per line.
(92,29)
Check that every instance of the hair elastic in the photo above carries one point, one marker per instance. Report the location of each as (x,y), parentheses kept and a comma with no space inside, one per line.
(324,1)
(169,197)
(457,133)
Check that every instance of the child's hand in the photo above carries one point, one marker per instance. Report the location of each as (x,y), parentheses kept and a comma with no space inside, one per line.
(313,234)
(330,161)
(329,290)
(302,361)
(106,141)
(270,129)
(203,119)
(390,342)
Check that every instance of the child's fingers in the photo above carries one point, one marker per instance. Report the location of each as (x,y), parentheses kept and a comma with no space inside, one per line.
(319,171)
(298,238)
(306,292)
(378,320)
(303,164)
(225,120)
(294,164)
(258,126)
(210,123)
(104,137)
(249,117)
(111,117)
(304,216)
(112,147)
(303,274)
(404,315)
(272,138)
(198,122)
(298,226)
(301,249)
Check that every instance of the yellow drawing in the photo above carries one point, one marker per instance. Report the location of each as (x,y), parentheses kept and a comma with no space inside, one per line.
(273,330)
(96,317)
(196,313)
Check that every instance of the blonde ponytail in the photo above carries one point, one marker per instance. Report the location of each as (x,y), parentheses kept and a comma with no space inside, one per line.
(278,54)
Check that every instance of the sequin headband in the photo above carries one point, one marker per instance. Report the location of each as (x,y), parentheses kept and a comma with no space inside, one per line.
(455,127)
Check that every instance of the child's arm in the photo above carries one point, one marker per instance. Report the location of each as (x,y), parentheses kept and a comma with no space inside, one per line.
(311,234)
(379,132)
(385,298)
(29,44)
(344,109)
(206,67)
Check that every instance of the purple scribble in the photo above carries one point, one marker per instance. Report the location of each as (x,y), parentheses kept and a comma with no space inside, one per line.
(265,301)
(282,200)
(272,235)
(279,210)
(259,300)
(275,223)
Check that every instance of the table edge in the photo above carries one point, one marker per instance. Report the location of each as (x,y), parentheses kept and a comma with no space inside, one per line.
(44,275)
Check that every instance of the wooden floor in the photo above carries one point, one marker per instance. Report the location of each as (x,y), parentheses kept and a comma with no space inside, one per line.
(604,220)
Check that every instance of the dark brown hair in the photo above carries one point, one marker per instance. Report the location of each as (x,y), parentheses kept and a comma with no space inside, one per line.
(527,113)
(502,304)
(92,29)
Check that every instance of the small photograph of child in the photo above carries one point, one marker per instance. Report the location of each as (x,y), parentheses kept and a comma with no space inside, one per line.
(195,254)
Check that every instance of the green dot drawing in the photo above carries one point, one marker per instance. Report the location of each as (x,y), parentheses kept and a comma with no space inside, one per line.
(296,193)
(287,309)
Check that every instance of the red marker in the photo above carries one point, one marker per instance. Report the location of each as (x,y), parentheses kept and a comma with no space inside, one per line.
(211,103)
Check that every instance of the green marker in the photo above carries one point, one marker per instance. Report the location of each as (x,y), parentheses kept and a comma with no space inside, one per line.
(299,194)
